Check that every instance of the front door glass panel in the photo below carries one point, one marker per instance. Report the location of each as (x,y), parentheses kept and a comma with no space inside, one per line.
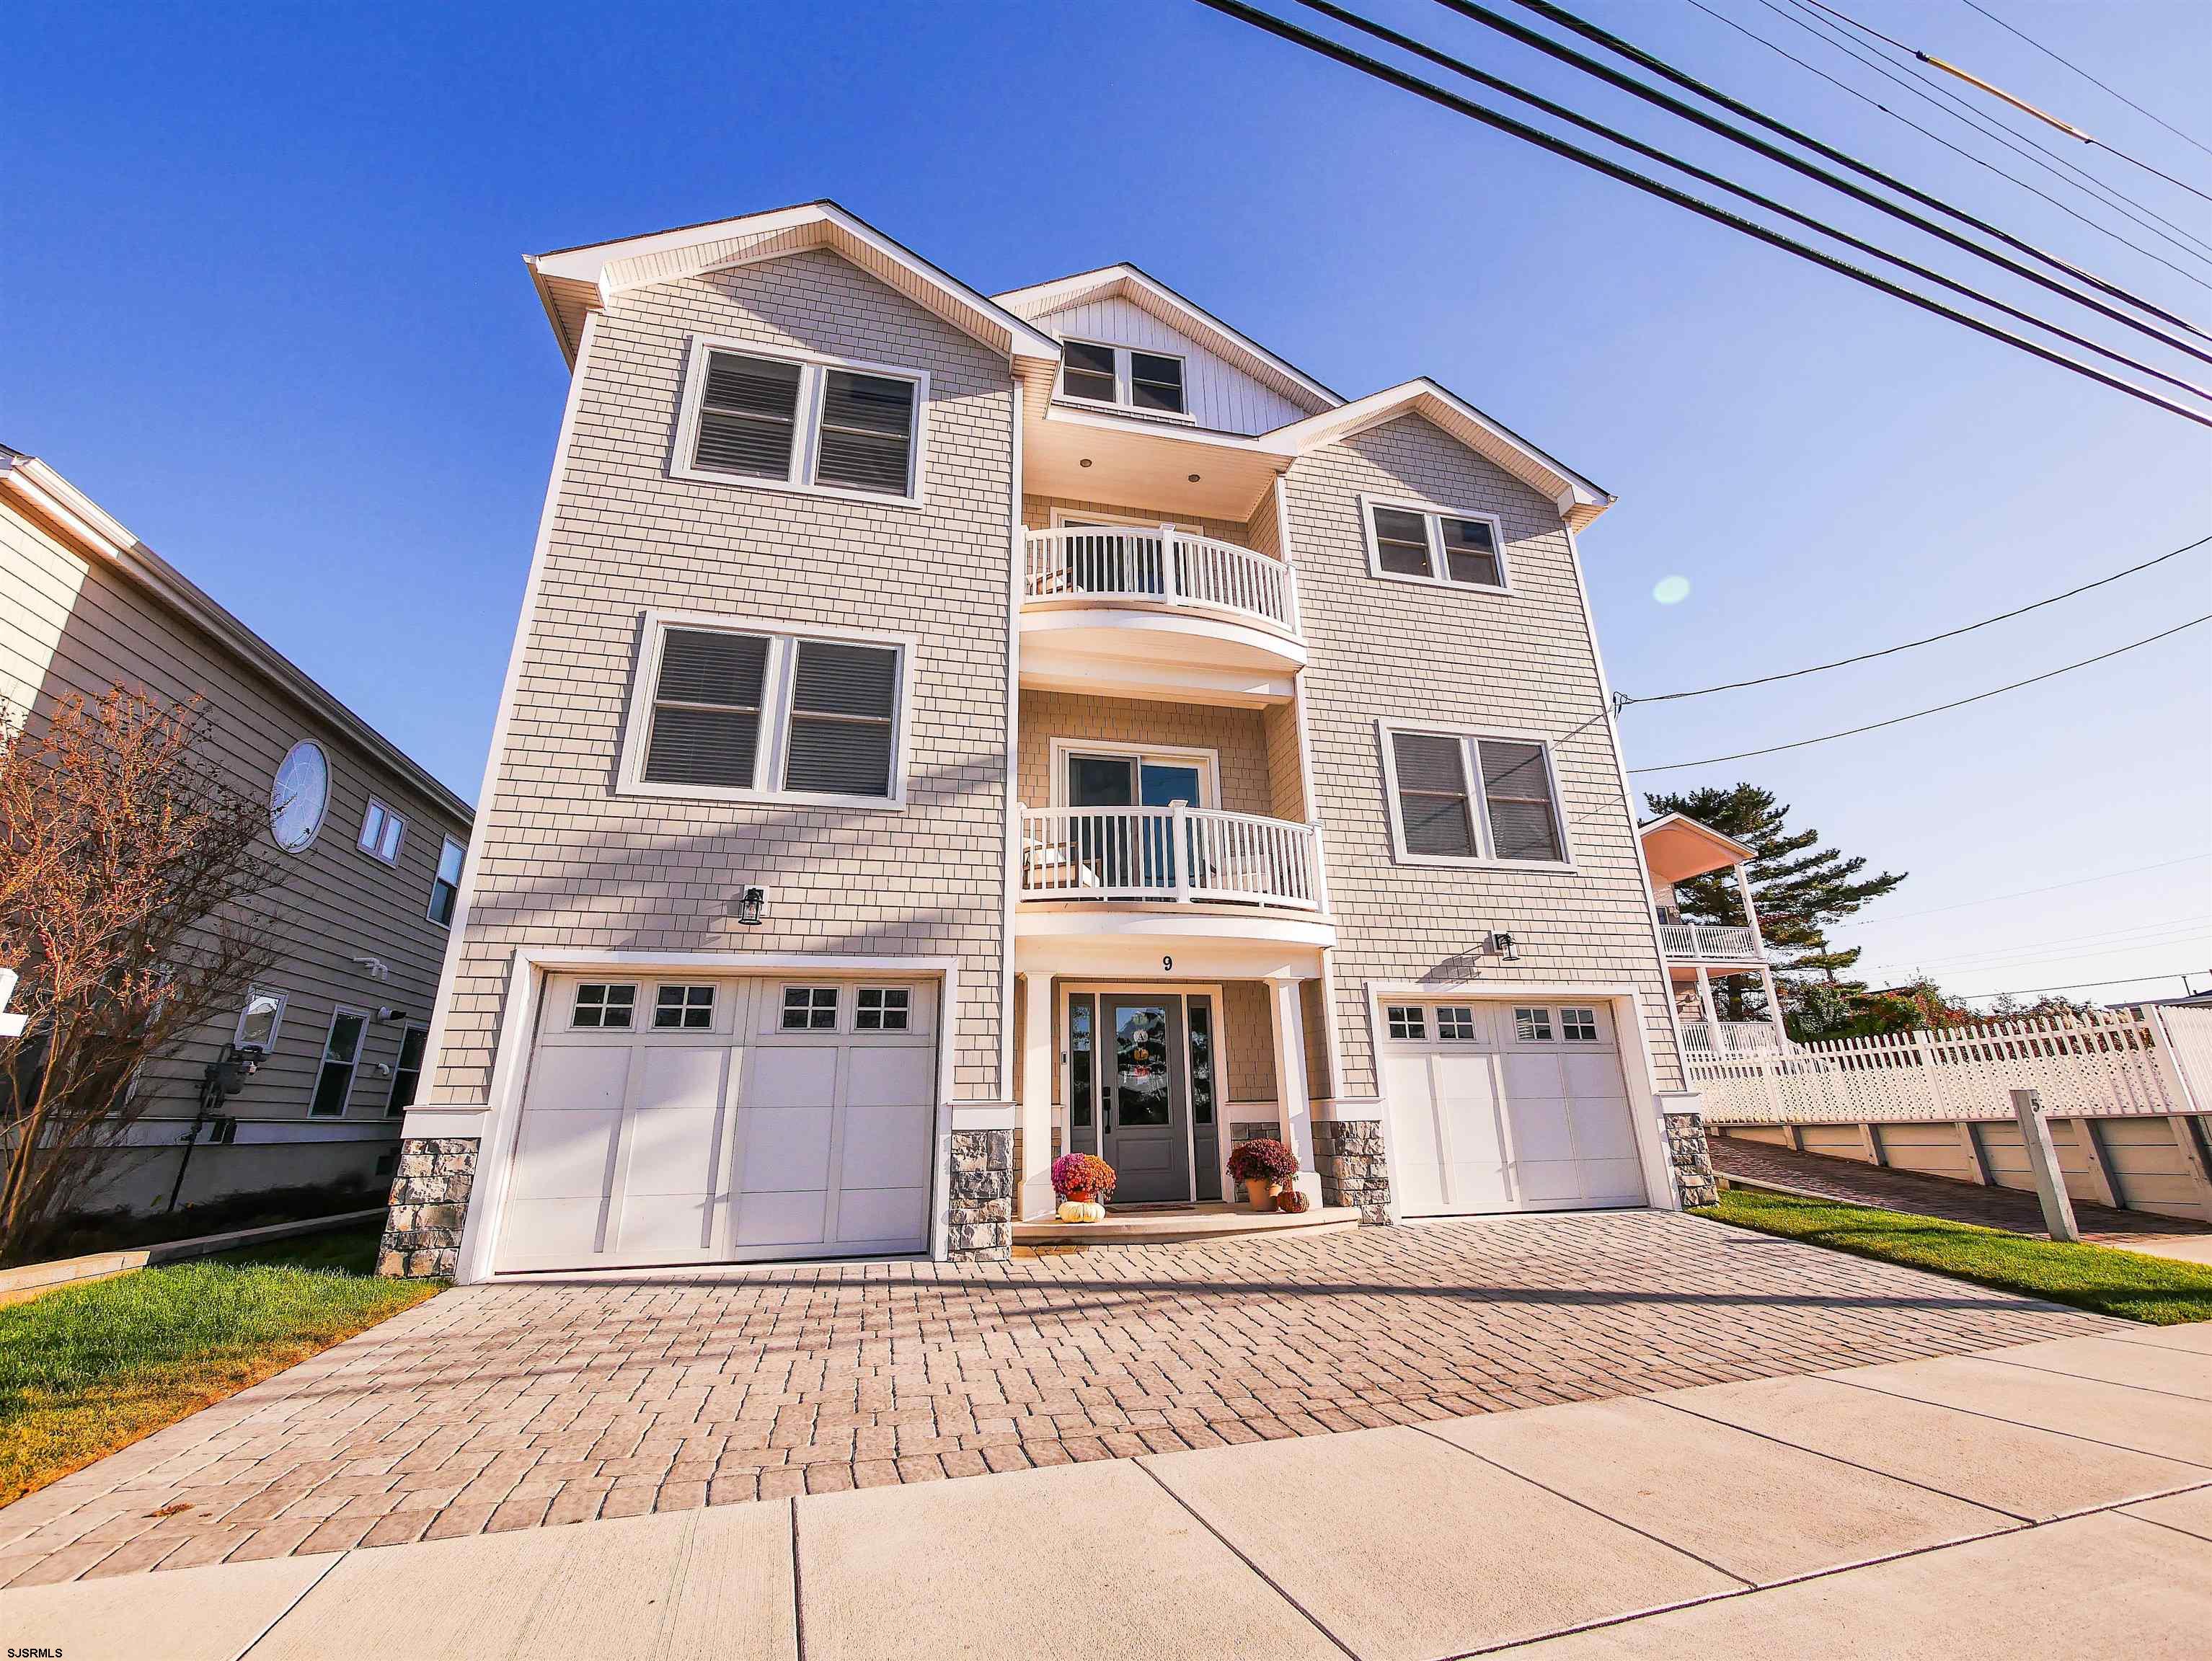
(1140,1063)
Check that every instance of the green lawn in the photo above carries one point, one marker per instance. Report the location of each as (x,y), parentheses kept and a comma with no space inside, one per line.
(2127,1284)
(88,1369)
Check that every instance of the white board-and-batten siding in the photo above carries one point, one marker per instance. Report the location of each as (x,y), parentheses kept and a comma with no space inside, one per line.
(1220,397)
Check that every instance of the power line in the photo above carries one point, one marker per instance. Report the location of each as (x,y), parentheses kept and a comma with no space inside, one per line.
(2085,76)
(1624,701)
(2182,975)
(1378,71)
(2017,102)
(2032,960)
(1959,150)
(1956,703)
(1637,55)
(2022,894)
(1560,112)
(2098,939)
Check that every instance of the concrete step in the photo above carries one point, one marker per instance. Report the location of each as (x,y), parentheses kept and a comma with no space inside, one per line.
(1191,1222)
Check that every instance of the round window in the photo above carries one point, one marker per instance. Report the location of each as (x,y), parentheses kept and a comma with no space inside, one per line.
(301,794)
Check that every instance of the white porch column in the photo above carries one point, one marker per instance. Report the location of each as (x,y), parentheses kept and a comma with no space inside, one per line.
(1765,974)
(1705,1002)
(1033,1195)
(1295,1114)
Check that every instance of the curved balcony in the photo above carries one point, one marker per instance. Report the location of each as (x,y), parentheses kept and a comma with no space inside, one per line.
(1141,609)
(1704,943)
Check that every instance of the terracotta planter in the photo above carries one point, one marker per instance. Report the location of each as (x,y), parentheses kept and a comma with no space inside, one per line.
(1082,1196)
(1260,1193)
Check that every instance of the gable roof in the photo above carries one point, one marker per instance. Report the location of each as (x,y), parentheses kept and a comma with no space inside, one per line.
(1148,294)
(1579,501)
(573,282)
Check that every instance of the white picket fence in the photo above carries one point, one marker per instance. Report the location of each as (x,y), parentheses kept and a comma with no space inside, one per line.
(2106,1063)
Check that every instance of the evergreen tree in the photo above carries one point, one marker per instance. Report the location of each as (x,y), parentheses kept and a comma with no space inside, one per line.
(1802,888)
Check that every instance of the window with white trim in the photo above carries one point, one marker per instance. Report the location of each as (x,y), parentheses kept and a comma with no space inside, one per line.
(1533,1025)
(683,1008)
(446,886)
(380,832)
(1092,372)
(810,1009)
(1578,1026)
(341,1056)
(883,1009)
(1409,542)
(1464,797)
(603,1004)
(1407,1021)
(1455,1020)
(738,712)
(805,423)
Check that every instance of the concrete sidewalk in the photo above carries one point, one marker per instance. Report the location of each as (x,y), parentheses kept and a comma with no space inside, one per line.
(2053,1498)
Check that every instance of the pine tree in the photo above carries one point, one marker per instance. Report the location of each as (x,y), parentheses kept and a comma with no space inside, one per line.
(1801,887)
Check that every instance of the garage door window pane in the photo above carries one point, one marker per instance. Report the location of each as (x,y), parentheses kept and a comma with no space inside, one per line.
(684,1008)
(1408,1020)
(1578,1026)
(1455,1020)
(883,1009)
(810,1009)
(603,1004)
(1432,799)
(1533,1025)
(1517,788)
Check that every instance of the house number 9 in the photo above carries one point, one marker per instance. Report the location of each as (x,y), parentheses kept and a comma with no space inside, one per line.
(1166,966)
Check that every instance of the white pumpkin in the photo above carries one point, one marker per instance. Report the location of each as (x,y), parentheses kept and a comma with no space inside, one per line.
(1074,1211)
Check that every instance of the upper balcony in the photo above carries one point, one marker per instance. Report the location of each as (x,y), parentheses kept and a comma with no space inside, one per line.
(1156,611)
(1704,943)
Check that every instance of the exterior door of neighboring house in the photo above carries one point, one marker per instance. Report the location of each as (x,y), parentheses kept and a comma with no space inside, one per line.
(1503,1107)
(1144,1123)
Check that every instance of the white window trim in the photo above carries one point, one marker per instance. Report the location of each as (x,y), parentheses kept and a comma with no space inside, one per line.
(276,1026)
(1124,398)
(1431,513)
(1063,519)
(353,1070)
(422,1067)
(431,908)
(773,747)
(1208,761)
(1478,803)
(785,988)
(378,804)
(636,1004)
(806,417)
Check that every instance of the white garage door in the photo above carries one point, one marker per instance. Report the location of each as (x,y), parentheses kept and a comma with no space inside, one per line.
(684,1118)
(1507,1107)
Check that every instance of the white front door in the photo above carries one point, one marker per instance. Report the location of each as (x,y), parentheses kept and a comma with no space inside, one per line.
(693,1119)
(1502,1107)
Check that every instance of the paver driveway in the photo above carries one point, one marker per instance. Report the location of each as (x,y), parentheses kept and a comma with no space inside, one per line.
(519,1405)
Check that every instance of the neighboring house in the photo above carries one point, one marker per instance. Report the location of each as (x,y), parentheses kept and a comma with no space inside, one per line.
(1676,849)
(943,730)
(370,847)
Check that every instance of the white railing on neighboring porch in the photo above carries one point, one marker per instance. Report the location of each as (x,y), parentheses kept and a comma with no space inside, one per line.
(1707,1038)
(1162,566)
(1704,943)
(1176,853)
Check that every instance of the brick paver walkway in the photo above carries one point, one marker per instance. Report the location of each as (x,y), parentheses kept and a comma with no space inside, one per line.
(2015,1209)
(520,1405)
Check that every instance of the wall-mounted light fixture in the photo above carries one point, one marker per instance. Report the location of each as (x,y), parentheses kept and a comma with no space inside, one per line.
(1504,947)
(749,906)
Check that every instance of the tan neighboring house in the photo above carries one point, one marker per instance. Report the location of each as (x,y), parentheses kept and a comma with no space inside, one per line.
(371,847)
(1675,849)
(945,730)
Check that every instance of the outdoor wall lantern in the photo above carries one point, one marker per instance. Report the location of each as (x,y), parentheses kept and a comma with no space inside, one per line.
(750,905)
(1507,949)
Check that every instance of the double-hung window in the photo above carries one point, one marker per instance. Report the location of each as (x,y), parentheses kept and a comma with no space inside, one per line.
(726,710)
(1149,381)
(446,886)
(801,422)
(341,1056)
(1409,542)
(406,1072)
(1458,798)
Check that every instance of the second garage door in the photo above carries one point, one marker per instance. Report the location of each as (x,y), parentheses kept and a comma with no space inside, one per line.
(672,1119)
(1507,1107)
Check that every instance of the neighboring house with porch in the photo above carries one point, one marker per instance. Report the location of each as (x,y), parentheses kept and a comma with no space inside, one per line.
(368,848)
(945,730)
(1676,849)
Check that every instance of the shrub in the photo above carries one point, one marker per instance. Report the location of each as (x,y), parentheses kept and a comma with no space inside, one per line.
(1073,1171)
(1264,1161)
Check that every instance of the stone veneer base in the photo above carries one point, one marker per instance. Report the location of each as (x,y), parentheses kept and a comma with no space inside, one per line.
(1348,1157)
(1691,1160)
(430,1188)
(979,1211)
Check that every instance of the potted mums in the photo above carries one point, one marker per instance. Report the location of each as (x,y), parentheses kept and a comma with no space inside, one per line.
(1263,1167)
(1083,1183)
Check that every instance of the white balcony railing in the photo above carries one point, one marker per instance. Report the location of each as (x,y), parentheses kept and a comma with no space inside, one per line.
(1160,565)
(1175,853)
(1706,1038)
(1704,943)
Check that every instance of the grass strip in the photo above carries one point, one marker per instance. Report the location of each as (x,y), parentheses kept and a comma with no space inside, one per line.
(2129,1285)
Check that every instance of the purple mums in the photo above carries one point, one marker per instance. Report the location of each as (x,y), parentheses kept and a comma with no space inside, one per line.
(1264,1161)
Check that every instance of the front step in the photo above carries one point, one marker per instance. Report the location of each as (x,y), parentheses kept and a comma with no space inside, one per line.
(1194,1222)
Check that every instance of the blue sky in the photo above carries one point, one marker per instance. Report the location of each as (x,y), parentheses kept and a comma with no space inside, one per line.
(263,298)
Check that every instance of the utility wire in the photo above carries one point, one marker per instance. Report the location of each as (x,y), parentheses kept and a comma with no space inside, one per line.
(1560,112)
(1624,701)
(2022,894)
(1956,703)
(2182,975)
(1490,117)
(2011,138)
(1929,133)
(1637,55)
(1994,962)
(2085,74)
(2016,101)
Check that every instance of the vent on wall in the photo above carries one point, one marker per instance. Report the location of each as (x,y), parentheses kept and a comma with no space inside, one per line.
(386,1164)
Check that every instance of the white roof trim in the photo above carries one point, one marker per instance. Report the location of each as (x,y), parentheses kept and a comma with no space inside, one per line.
(1148,294)
(1579,501)
(1665,821)
(99,533)
(574,280)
